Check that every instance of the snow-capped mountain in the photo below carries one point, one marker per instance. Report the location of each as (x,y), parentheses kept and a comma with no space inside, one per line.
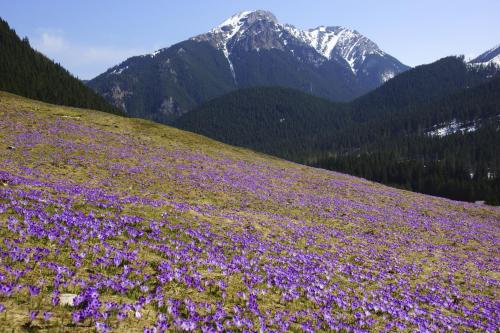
(256,30)
(339,42)
(235,31)
(491,56)
(251,48)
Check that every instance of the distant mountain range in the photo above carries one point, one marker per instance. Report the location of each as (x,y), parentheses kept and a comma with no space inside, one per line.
(29,73)
(249,49)
(433,129)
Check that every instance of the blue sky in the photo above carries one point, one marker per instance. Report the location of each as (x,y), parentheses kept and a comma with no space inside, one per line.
(87,37)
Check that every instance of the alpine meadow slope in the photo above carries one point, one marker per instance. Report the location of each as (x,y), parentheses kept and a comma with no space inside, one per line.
(117,224)
(249,49)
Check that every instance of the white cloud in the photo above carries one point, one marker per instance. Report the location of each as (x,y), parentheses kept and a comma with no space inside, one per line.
(84,61)
(50,42)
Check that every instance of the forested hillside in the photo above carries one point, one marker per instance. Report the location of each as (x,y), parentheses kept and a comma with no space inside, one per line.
(432,129)
(279,121)
(29,73)
(447,146)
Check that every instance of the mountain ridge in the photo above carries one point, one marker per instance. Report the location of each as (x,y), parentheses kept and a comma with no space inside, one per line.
(328,41)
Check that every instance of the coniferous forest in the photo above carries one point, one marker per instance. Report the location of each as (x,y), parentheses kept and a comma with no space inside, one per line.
(29,73)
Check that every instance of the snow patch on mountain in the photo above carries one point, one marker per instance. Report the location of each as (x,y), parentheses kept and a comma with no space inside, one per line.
(490,57)
(345,43)
(155,53)
(228,29)
(493,61)
(496,60)
(388,75)
(452,127)
(118,70)
(225,32)
(324,42)
(234,22)
(322,39)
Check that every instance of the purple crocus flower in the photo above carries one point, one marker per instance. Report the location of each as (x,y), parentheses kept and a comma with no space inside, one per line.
(55,300)
(102,327)
(121,315)
(33,315)
(47,315)
(34,290)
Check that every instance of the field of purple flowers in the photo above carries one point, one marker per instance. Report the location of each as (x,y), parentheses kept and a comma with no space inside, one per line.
(114,224)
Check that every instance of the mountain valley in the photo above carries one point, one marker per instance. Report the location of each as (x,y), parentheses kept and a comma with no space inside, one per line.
(254,178)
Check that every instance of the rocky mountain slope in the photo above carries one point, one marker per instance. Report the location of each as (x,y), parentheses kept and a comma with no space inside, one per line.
(249,49)
(116,224)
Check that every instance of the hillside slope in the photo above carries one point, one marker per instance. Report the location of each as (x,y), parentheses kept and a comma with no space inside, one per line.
(278,121)
(389,135)
(149,226)
(447,146)
(29,73)
(389,110)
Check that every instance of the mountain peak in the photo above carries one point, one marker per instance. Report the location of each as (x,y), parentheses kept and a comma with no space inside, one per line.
(260,30)
(328,41)
(247,17)
(337,41)
(261,15)
(225,34)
